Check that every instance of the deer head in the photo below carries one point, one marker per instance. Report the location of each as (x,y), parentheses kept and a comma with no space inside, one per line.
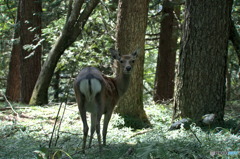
(126,62)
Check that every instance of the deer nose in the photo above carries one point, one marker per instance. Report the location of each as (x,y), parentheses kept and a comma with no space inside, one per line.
(128,68)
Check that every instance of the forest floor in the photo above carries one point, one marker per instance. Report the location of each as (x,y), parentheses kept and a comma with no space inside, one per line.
(27,135)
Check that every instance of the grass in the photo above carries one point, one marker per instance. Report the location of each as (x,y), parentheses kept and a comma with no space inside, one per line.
(28,136)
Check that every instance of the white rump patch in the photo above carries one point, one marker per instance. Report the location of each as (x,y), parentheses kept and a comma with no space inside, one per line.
(90,87)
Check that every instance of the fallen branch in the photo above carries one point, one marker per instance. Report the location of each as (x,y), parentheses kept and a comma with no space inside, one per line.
(140,133)
(129,152)
(8,108)
(10,105)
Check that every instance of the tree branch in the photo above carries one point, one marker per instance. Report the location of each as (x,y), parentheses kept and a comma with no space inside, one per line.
(1,94)
(73,13)
(85,15)
(9,8)
(69,34)
(69,9)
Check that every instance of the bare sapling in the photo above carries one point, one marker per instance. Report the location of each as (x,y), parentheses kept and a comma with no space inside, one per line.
(98,94)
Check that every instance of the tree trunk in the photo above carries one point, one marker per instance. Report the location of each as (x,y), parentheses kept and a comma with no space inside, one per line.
(30,34)
(55,86)
(14,78)
(131,27)
(165,71)
(228,83)
(74,24)
(201,77)
(25,64)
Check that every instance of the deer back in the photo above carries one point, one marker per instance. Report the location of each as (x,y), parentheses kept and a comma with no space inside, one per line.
(103,86)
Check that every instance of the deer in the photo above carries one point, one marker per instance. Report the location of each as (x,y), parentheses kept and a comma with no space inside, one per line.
(98,94)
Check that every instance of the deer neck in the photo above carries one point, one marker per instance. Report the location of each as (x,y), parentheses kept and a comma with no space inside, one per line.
(122,81)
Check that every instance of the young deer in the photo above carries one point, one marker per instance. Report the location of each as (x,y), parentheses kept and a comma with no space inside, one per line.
(98,94)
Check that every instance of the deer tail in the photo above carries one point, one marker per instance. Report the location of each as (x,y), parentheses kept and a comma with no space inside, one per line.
(90,88)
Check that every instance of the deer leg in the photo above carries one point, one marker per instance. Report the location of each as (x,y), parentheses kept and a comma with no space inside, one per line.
(98,132)
(93,127)
(107,118)
(82,111)
(85,133)
(99,116)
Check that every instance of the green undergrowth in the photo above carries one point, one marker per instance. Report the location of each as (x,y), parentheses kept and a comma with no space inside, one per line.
(27,135)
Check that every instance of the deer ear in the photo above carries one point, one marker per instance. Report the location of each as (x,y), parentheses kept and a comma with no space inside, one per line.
(135,53)
(115,54)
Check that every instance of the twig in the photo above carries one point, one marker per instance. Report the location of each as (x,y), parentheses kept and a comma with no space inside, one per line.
(9,104)
(7,108)
(195,136)
(54,127)
(129,152)
(140,133)
(60,123)
(67,132)
(57,117)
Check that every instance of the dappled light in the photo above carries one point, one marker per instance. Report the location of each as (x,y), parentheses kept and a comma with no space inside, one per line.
(164,75)
(30,134)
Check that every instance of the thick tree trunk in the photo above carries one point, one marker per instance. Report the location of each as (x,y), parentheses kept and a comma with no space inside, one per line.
(165,71)
(72,29)
(131,27)
(25,64)
(201,78)
(30,34)
(14,78)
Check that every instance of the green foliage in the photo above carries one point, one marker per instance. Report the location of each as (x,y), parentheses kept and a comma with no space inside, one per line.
(7,9)
(28,136)
(233,72)
(92,46)
(91,49)
(46,153)
(150,64)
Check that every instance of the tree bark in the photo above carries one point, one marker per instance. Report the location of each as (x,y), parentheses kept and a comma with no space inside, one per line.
(55,86)
(201,77)
(74,24)
(131,27)
(25,64)
(165,71)
(14,78)
(30,34)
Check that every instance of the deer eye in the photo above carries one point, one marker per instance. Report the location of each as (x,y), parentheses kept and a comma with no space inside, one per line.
(121,61)
(133,61)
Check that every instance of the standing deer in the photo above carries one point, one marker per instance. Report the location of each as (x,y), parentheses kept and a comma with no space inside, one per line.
(98,94)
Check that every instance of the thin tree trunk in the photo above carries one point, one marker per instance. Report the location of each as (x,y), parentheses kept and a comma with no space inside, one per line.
(201,78)
(131,27)
(74,24)
(235,38)
(228,84)
(55,86)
